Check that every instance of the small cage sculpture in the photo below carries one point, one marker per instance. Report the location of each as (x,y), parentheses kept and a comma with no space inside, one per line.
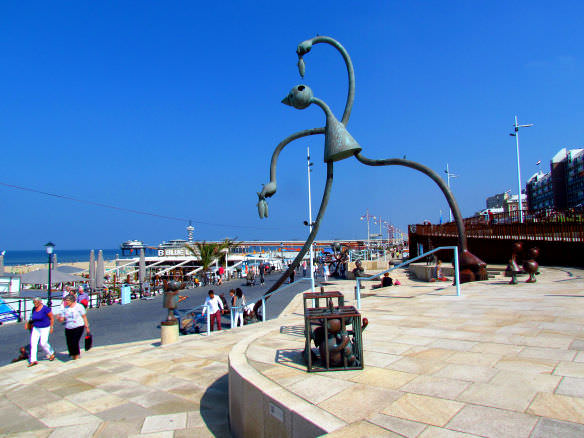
(336,333)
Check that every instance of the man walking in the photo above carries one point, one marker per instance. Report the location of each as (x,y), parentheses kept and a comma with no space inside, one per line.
(214,306)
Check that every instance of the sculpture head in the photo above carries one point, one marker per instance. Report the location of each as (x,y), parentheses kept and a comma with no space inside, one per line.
(300,97)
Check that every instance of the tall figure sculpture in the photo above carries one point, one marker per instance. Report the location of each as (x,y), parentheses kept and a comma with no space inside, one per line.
(339,144)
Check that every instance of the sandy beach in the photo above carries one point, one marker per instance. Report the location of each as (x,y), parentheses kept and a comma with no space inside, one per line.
(23,269)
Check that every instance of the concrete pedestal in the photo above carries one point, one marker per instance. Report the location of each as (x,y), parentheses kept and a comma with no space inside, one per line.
(168,333)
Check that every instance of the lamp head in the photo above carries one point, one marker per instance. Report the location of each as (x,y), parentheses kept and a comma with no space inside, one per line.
(300,97)
(50,247)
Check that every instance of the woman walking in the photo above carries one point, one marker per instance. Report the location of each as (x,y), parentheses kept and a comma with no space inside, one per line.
(42,321)
(239,304)
(75,321)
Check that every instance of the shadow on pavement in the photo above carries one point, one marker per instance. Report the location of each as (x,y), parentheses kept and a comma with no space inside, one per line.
(215,407)
(291,358)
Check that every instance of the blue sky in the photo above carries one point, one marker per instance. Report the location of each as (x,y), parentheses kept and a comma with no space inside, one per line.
(174,108)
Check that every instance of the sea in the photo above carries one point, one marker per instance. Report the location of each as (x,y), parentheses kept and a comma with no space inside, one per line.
(63,256)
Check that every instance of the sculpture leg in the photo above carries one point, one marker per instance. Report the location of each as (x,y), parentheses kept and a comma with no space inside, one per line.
(311,237)
(436,178)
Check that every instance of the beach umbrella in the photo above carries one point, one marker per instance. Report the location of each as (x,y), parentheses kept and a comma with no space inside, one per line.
(142,269)
(100,271)
(41,276)
(92,270)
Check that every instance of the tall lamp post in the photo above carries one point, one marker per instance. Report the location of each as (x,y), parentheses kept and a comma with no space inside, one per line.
(516,135)
(50,247)
(448,176)
(368,218)
(308,166)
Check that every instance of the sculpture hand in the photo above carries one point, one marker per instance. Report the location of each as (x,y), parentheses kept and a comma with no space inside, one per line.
(268,190)
(304,47)
(262,207)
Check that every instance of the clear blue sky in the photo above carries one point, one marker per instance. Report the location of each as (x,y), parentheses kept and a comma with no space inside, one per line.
(174,108)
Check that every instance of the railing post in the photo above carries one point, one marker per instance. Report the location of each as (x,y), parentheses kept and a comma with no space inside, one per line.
(358,293)
(456,272)
(231,316)
(264,309)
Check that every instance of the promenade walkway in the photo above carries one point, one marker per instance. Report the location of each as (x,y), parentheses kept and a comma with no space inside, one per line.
(499,361)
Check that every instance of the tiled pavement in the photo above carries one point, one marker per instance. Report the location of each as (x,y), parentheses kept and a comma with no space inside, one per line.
(127,390)
(499,361)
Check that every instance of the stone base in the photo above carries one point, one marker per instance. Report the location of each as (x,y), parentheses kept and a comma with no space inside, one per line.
(168,333)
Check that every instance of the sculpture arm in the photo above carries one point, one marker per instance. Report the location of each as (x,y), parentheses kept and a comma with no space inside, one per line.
(323,205)
(436,178)
(269,189)
(305,46)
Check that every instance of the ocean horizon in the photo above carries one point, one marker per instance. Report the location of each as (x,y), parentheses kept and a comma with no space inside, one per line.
(32,257)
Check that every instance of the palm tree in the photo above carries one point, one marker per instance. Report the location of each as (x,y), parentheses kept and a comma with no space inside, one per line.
(208,252)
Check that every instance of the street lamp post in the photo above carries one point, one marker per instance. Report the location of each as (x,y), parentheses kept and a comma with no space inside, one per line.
(448,176)
(368,218)
(50,247)
(308,166)
(515,134)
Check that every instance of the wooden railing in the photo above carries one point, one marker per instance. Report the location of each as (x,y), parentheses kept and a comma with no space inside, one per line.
(546,225)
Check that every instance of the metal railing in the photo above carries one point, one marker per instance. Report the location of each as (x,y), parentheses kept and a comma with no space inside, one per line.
(193,310)
(456,271)
(22,308)
(264,310)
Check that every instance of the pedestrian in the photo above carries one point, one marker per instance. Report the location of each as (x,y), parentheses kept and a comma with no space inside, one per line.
(82,297)
(75,320)
(214,306)
(239,304)
(262,272)
(41,323)
(325,271)
(304,268)
(66,292)
(292,276)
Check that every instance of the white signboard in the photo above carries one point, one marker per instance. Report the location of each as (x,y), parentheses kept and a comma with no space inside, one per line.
(174,252)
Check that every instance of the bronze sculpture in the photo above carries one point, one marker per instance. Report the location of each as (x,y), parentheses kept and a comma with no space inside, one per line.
(530,265)
(339,144)
(513,269)
(170,300)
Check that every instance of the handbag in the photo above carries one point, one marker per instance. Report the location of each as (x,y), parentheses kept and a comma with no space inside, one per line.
(88,341)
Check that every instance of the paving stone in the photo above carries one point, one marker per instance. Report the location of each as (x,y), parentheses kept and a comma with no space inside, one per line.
(559,407)
(570,369)
(13,420)
(439,432)
(577,344)
(547,428)
(85,430)
(124,412)
(423,409)
(161,423)
(118,429)
(383,378)
(491,422)
(362,429)
(436,387)
(571,386)
(316,388)
(398,425)
(371,399)
(498,396)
